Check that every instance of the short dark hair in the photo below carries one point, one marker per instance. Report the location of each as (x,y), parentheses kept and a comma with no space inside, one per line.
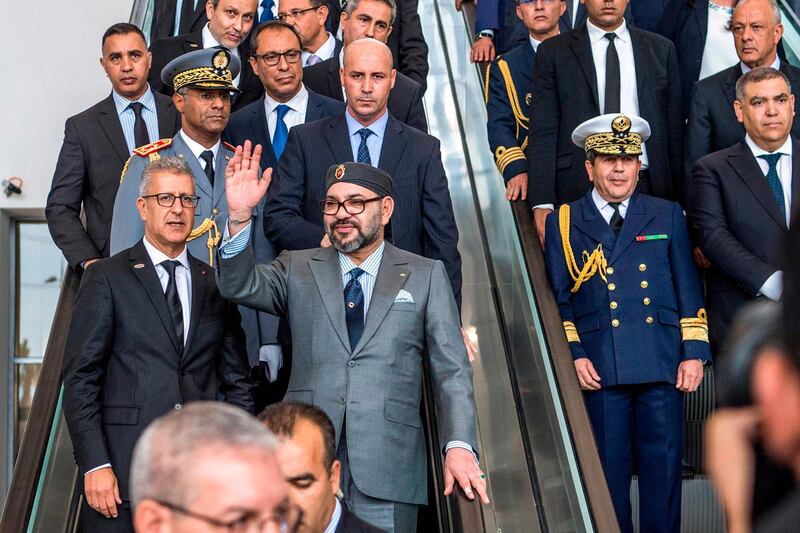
(758,75)
(280,419)
(122,28)
(273,24)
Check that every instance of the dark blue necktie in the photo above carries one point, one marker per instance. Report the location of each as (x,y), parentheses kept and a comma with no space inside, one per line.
(616,219)
(354,307)
(774,181)
(173,299)
(363,151)
(266,14)
(281,131)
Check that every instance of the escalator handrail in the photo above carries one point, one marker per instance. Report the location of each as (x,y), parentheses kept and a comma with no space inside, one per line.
(33,448)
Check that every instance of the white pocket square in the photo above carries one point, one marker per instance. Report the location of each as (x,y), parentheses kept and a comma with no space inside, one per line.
(404,297)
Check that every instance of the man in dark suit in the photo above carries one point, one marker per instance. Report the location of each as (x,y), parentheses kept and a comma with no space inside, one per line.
(229,24)
(508,95)
(188,344)
(309,18)
(712,123)
(742,197)
(307,455)
(98,141)
(604,66)
(177,17)
(621,268)
(368,133)
(406,41)
(360,19)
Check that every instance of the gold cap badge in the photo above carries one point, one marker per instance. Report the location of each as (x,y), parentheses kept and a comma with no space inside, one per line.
(339,172)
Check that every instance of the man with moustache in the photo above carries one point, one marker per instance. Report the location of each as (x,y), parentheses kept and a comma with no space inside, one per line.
(150,334)
(98,141)
(229,24)
(362,313)
(309,18)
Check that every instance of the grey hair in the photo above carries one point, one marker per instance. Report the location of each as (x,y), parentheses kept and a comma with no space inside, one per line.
(165,453)
(773,5)
(757,75)
(352,5)
(173,164)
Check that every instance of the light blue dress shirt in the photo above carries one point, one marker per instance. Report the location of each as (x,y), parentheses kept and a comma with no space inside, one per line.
(374,141)
(127,118)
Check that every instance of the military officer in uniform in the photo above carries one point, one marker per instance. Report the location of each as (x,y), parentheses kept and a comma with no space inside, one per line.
(508,94)
(203,83)
(621,267)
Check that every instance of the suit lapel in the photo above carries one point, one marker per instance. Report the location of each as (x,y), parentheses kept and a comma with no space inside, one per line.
(394,144)
(392,275)
(582,48)
(220,162)
(109,121)
(746,167)
(701,16)
(795,179)
(143,269)
(312,109)
(641,60)
(181,149)
(193,41)
(328,277)
(592,223)
(636,218)
(339,139)
(166,119)
(200,277)
(729,84)
(334,81)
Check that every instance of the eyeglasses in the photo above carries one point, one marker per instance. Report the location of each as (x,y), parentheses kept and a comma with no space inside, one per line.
(287,517)
(273,58)
(296,14)
(166,199)
(353,206)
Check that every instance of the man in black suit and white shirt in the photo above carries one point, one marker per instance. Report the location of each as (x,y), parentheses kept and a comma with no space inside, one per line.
(741,200)
(309,19)
(604,66)
(98,141)
(360,19)
(149,333)
(229,24)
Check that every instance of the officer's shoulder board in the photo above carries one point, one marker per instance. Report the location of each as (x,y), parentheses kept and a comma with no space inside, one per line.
(148,150)
(229,146)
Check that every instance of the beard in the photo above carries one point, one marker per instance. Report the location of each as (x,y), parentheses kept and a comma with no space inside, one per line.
(365,234)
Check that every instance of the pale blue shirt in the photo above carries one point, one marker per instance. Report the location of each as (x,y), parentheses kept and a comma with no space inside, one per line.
(374,141)
(127,118)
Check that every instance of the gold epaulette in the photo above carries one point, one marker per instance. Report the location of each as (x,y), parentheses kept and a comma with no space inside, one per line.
(695,329)
(152,148)
(594,263)
(505,156)
(571,331)
(229,146)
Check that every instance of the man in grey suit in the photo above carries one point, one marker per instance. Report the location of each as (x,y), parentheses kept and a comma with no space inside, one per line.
(363,314)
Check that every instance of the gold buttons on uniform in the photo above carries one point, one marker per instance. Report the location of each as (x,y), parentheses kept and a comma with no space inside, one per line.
(646,301)
(610,270)
(351,305)
(649,320)
(612,286)
(644,284)
(642,267)
(613,305)
(615,323)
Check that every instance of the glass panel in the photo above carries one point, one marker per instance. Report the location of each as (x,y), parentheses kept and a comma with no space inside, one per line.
(39,272)
(25,378)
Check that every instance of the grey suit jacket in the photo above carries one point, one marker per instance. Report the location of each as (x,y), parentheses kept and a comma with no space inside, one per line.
(377,385)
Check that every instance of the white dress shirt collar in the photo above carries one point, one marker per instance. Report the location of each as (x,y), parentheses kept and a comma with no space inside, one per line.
(785,149)
(605,208)
(534,43)
(595,33)
(775,64)
(298,103)
(335,517)
(158,257)
(198,148)
(323,52)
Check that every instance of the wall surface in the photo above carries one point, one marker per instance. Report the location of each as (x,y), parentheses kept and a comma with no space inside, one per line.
(49,71)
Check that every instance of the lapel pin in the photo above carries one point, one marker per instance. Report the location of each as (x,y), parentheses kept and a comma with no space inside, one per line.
(402,274)
(138,265)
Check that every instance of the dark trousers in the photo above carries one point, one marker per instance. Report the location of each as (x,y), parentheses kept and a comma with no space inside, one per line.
(93,522)
(646,420)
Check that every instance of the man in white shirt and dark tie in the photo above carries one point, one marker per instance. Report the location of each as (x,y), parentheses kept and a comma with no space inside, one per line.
(308,18)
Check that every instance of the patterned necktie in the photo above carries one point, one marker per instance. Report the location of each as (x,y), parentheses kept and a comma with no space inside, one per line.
(140,135)
(281,131)
(363,151)
(208,157)
(266,13)
(616,219)
(774,181)
(612,76)
(313,59)
(354,307)
(173,300)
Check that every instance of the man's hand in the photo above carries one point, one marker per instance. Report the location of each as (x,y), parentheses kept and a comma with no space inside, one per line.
(472,351)
(588,377)
(517,187)
(482,50)
(243,189)
(700,258)
(690,375)
(539,217)
(102,492)
(460,465)
(325,242)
